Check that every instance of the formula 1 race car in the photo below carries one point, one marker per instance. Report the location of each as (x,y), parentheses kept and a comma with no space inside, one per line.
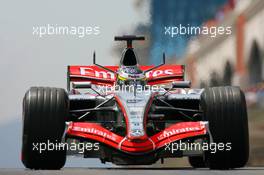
(134,115)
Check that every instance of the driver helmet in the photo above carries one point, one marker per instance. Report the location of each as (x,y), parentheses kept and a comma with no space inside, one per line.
(131,75)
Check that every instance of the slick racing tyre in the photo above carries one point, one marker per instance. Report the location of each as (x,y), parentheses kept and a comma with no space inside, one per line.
(44,113)
(225,109)
(197,161)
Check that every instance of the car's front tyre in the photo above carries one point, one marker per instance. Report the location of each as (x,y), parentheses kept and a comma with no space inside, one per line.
(225,109)
(44,114)
(197,162)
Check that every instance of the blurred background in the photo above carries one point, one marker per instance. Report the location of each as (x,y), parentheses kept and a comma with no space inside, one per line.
(28,60)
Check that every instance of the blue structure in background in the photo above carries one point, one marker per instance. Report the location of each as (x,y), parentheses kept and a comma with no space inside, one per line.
(173,13)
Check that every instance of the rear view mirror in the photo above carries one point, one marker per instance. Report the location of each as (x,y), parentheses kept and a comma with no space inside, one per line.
(181,84)
(82,85)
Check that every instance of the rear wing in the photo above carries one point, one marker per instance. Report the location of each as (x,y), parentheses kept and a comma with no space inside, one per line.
(99,76)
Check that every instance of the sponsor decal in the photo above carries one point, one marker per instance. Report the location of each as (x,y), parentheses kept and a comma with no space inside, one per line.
(171,132)
(134,100)
(158,72)
(89,71)
(94,131)
(99,74)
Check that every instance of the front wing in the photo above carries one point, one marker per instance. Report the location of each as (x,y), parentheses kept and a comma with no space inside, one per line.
(171,134)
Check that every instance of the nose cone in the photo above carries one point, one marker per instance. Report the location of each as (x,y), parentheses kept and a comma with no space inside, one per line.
(134,110)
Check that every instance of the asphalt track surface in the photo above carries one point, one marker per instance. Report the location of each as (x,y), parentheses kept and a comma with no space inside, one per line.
(134,171)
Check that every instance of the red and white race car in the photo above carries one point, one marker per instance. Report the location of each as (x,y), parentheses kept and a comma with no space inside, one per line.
(134,115)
